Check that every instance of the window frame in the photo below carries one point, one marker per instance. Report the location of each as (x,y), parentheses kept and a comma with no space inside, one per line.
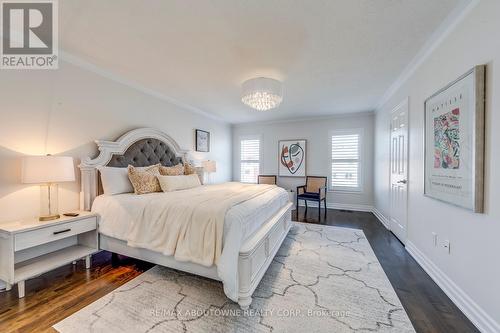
(250,137)
(350,189)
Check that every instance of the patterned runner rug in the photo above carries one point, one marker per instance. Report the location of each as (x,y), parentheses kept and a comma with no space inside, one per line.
(323,279)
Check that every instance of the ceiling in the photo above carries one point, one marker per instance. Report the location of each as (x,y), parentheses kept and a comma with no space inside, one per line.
(333,56)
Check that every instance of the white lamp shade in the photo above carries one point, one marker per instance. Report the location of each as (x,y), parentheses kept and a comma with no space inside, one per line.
(209,166)
(47,169)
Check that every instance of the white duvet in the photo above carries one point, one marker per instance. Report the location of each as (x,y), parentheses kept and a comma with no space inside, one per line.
(168,223)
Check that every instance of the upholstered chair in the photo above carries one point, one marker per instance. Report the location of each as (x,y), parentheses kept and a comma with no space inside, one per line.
(266,179)
(313,190)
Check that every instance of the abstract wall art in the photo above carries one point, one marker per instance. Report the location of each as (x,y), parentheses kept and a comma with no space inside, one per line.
(292,158)
(454,142)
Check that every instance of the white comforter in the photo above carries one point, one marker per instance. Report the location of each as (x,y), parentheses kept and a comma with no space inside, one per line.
(132,218)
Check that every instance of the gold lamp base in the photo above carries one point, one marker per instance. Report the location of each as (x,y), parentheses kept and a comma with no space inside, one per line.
(49,217)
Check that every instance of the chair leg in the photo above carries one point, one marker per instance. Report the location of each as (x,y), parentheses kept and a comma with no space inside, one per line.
(325,208)
(319,211)
(306,204)
(297,207)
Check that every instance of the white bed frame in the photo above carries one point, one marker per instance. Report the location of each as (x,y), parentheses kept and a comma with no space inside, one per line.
(255,255)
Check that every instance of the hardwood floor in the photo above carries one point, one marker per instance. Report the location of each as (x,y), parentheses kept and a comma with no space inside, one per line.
(59,293)
(55,295)
(428,307)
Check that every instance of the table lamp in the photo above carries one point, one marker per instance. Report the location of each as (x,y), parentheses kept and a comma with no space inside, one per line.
(209,167)
(47,171)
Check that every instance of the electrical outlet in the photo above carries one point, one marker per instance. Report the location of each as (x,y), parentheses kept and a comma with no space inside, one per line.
(447,246)
(434,238)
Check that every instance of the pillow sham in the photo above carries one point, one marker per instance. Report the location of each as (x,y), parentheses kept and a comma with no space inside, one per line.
(176,183)
(176,170)
(144,180)
(189,169)
(115,180)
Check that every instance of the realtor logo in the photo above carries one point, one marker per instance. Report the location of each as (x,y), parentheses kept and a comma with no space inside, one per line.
(29,34)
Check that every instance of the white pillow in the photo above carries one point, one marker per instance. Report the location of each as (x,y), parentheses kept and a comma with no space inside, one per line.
(175,183)
(115,180)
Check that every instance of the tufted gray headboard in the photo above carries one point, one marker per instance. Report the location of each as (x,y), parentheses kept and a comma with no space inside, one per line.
(139,147)
(146,152)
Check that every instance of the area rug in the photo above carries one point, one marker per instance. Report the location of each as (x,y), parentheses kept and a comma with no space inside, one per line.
(323,279)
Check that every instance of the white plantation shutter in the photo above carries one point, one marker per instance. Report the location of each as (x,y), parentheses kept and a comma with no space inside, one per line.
(249,160)
(345,161)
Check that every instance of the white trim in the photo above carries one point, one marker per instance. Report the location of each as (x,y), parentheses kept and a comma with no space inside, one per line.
(443,31)
(261,153)
(381,217)
(484,322)
(338,206)
(302,119)
(83,64)
(361,160)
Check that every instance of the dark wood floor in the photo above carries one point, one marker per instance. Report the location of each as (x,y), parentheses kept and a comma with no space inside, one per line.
(59,293)
(428,307)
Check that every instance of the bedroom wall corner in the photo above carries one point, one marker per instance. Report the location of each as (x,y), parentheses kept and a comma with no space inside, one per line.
(316,131)
(63,111)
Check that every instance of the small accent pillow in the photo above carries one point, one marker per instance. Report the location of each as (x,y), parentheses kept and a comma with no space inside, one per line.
(176,183)
(189,169)
(177,170)
(144,179)
(115,180)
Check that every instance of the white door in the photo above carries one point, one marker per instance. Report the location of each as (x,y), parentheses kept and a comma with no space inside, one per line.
(399,170)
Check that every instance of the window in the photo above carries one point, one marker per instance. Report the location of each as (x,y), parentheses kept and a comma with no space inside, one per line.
(249,160)
(346,161)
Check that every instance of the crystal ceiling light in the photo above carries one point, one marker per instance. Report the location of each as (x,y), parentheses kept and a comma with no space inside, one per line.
(262,93)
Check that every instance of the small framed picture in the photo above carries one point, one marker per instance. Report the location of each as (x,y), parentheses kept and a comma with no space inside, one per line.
(202,141)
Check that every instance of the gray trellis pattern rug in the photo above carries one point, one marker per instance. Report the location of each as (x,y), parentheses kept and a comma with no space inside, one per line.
(323,279)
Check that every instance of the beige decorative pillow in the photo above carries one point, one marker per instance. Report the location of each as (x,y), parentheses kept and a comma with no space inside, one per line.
(145,180)
(172,171)
(189,169)
(176,183)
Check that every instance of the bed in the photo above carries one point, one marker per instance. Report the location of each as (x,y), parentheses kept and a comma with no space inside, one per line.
(253,229)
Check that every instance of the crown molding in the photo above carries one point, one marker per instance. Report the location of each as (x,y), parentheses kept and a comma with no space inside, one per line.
(83,64)
(302,119)
(443,31)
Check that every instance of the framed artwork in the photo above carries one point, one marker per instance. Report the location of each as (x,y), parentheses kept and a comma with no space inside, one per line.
(202,141)
(454,142)
(292,158)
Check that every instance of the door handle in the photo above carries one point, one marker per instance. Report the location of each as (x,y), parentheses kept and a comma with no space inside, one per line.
(402,181)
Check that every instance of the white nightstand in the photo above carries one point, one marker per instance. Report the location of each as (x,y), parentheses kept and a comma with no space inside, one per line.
(29,248)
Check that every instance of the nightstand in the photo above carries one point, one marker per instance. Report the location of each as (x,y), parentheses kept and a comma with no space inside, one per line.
(29,248)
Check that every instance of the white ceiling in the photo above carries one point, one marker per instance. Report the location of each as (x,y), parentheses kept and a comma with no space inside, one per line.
(333,56)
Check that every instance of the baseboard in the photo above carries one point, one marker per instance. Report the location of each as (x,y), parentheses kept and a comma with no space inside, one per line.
(484,322)
(333,205)
(381,217)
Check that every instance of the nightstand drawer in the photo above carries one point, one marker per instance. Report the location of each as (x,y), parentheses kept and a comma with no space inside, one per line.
(40,236)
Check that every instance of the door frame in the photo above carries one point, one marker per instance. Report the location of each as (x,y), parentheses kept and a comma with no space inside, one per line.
(406,101)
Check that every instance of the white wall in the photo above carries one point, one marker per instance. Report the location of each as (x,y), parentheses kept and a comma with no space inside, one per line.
(64,111)
(472,269)
(316,132)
